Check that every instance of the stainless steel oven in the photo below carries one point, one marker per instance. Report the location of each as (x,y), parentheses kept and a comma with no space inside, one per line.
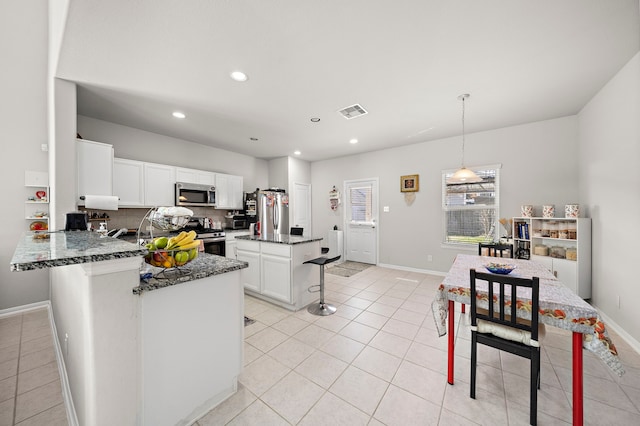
(212,239)
(214,242)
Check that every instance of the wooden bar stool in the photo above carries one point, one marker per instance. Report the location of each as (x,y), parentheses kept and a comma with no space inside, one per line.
(321,308)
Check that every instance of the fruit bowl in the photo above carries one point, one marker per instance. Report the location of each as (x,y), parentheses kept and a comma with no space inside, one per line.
(170,258)
(173,252)
(500,268)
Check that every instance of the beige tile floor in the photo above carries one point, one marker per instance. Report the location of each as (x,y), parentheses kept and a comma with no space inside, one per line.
(379,361)
(30,390)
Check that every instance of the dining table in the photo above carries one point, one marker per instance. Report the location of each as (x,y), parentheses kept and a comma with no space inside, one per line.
(558,307)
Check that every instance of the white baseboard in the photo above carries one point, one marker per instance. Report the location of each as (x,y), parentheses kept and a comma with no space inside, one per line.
(409,269)
(64,380)
(619,330)
(24,308)
(62,369)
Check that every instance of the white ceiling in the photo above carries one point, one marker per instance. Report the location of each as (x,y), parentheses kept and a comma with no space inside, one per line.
(406,62)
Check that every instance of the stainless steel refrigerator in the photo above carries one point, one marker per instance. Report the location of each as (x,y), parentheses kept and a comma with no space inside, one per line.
(273,212)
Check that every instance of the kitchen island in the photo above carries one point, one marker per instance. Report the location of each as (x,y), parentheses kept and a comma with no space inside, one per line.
(276,271)
(160,352)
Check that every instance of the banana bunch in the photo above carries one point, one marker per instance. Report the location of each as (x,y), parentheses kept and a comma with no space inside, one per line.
(183,241)
(176,251)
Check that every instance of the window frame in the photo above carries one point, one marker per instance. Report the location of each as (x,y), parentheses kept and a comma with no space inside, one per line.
(445,209)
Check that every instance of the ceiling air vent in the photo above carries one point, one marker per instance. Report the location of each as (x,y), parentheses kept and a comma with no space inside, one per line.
(352,111)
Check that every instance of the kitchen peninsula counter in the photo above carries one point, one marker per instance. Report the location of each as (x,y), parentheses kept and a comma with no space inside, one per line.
(205,265)
(135,356)
(69,248)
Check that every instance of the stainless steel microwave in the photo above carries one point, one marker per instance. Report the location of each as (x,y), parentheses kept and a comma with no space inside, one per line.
(193,194)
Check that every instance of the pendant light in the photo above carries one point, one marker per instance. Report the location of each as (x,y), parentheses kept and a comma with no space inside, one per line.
(464,175)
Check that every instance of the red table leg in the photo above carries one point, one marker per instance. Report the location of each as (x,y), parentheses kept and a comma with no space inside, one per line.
(577,379)
(451,340)
(464,308)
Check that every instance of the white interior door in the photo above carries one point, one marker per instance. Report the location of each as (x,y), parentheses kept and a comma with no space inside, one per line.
(361,217)
(302,207)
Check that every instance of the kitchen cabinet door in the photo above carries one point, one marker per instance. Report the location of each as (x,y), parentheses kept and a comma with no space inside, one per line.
(230,249)
(94,163)
(229,192)
(566,271)
(250,276)
(159,185)
(276,277)
(235,193)
(128,182)
(195,176)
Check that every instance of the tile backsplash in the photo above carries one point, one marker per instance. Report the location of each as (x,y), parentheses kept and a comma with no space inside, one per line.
(130,218)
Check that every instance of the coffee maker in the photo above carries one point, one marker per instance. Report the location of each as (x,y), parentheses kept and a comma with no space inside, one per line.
(76,221)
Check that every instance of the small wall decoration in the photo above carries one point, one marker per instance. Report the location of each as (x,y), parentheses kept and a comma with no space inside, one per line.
(410,183)
(334,199)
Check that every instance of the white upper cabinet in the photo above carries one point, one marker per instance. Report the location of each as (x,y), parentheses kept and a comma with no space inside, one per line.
(159,185)
(128,182)
(229,192)
(195,176)
(95,168)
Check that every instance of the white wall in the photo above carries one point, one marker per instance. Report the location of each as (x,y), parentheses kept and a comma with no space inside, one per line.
(299,171)
(23,128)
(279,173)
(140,145)
(609,129)
(62,153)
(539,166)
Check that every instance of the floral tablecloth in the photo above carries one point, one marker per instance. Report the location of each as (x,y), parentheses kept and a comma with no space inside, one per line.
(559,306)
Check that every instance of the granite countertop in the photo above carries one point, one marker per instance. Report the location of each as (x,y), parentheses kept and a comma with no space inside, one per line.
(68,248)
(279,239)
(203,266)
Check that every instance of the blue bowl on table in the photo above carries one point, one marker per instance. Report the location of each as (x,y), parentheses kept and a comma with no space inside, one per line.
(500,268)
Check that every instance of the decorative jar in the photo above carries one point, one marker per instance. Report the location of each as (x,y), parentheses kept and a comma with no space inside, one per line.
(548,211)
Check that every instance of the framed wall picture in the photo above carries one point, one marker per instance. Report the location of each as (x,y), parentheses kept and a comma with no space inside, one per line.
(410,183)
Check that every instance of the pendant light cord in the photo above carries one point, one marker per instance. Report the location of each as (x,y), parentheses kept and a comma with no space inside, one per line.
(463,98)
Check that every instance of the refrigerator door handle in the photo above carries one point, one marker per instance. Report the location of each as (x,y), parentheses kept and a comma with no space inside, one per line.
(276,208)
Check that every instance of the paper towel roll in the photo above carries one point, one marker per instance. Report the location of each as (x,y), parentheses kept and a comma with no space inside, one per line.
(101,202)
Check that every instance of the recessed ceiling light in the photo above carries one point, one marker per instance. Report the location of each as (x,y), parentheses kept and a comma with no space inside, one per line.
(178,114)
(239,76)
(253,139)
(315,119)
(353,141)
(297,152)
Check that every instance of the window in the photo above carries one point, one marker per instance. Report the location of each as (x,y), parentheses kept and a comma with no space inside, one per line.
(471,209)
(361,199)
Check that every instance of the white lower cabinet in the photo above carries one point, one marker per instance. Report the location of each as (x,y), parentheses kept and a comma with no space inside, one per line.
(230,245)
(566,271)
(277,272)
(250,276)
(276,277)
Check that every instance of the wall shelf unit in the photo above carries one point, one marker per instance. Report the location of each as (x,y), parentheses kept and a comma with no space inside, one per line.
(563,245)
(36,206)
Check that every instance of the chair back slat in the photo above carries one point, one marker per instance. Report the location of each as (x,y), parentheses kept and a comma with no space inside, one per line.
(508,296)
